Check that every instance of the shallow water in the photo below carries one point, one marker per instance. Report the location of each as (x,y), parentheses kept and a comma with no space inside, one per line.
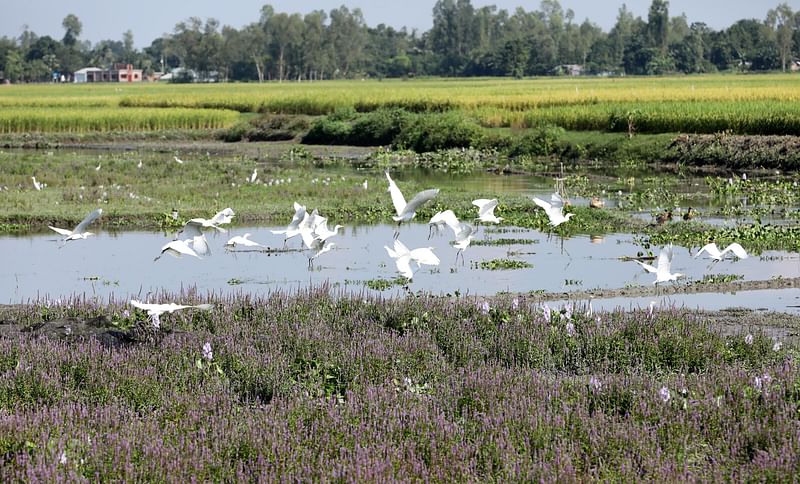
(122,264)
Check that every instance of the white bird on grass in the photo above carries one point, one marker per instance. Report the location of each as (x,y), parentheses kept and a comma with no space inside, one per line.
(139,165)
(156,310)
(407,211)
(486,210)
(254,176)
(554,209)
(180,161)
(243,240)
(177,248)
(662,271)
(79,232)
(713,251)
(37,185)
(403,256)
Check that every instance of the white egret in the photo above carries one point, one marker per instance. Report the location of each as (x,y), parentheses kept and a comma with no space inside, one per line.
(321,230)
(97,168)
(180,161)
(243,240)
(662,271)
(38,186)
(139,165)
(407,211)
(156,310)
(713,251)
(177,248)
(554,209)
(254,176)
(365,185)
(293,229)
(440,220)
(403,256)
(486,210)
(321,247)
(222,217)
(463,236)
(193,235)
(79,232)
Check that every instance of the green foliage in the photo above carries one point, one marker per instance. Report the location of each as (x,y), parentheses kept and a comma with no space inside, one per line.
(502,264)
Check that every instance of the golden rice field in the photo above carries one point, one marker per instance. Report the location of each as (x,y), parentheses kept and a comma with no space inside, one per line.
(763,104)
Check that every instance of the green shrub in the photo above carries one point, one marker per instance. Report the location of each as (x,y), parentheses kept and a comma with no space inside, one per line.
(438,131)
(379,127)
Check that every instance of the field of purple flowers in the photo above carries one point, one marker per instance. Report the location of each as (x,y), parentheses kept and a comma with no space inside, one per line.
(318,386)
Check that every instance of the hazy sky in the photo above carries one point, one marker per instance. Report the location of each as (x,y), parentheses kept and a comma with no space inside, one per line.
(149,19)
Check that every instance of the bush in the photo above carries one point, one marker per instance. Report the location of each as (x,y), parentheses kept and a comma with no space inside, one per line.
(542,141)
(438,131)
(328,131)
(379,127)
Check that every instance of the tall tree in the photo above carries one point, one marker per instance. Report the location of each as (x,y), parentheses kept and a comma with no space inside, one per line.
(658,24)
(782,21)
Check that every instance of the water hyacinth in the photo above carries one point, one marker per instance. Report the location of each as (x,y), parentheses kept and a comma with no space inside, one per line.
(318,386)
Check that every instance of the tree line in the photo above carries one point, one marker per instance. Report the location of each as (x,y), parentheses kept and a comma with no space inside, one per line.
(463,41)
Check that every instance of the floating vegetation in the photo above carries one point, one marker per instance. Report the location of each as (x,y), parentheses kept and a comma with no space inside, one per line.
(501,264)
(505,241)
(384,284)
(719,278)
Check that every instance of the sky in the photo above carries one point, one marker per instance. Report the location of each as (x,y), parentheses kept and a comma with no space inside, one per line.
(149,19)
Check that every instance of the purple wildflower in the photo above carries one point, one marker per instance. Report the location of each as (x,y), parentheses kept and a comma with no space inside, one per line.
(664,394)
(748,340)
(207,353)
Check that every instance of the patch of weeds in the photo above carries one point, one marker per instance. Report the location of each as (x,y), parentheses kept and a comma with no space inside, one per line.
(501,264)
(719,279)
(505,241)
(11,228)
(384,284)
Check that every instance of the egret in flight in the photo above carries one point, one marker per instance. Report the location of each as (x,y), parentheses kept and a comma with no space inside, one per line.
(407,211)
(554,209)
(662,270)
(293,229)
(242,240)
(156,310)
(79,232)
(486,210)
(713,251)
(177,248)
(403,256)
(220,218)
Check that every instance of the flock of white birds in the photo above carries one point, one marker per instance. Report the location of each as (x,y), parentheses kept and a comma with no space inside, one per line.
(315,234)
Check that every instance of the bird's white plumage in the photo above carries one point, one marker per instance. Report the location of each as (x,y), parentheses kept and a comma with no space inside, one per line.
(177,248)
(554,209)
(713,251)
(663,266)
(79,232)
(486,210)
(178,160)
(403,257)
(407,210)
(243,240)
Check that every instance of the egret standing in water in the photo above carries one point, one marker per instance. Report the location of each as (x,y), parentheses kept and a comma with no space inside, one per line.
(407,211)
(79,232)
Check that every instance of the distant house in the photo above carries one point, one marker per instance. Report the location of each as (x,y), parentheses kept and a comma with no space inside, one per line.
(569,70)
(117,73)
